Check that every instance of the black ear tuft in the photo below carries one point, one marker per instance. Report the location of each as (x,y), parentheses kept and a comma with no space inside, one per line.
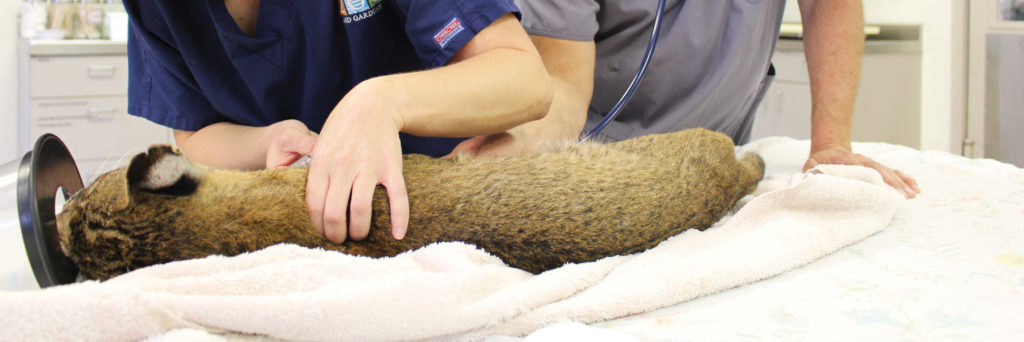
(163,170)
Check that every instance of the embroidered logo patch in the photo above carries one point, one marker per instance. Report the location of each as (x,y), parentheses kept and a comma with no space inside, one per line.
(356,10)
(449,32)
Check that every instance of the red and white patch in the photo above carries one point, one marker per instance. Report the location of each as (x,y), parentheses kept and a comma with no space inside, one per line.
(449,32)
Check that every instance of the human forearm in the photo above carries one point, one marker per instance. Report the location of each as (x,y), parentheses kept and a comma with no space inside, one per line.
(225,145)
(571,66)
(232,146)
(494,82)
(834,45)
(565,119)
(494,90)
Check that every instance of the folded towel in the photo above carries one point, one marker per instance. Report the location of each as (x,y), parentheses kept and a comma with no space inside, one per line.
(453,290)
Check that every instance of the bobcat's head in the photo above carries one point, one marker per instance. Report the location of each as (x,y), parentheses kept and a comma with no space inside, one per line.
(104,227)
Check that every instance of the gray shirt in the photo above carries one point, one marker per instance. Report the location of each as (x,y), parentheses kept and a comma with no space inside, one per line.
(710,69)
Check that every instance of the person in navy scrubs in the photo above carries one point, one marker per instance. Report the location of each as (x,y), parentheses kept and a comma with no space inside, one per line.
(252,84)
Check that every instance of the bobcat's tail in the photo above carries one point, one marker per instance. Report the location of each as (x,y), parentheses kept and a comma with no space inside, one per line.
(753,171)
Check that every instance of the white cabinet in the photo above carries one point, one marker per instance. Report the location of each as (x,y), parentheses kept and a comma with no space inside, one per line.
(786,108)
(78,90)
(888,105)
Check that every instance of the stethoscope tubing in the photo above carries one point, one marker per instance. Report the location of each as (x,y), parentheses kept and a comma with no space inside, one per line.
(640,73)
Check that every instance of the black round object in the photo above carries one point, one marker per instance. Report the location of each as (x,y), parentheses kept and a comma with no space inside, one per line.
(43,170)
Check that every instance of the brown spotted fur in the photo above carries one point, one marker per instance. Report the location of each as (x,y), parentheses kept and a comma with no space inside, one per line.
(536,212)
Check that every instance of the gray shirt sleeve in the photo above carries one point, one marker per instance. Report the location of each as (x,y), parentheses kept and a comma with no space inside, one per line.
(563,19)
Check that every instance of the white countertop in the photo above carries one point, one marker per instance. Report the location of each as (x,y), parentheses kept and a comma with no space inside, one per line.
(74,47)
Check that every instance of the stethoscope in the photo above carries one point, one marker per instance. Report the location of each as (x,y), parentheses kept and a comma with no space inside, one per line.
(628,94)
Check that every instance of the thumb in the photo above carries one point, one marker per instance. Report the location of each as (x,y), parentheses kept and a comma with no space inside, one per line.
(811,163)
(290,149)
(306,144)
(300,143)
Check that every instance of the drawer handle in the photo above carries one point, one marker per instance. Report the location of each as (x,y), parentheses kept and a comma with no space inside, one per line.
(98,71)
(101,114)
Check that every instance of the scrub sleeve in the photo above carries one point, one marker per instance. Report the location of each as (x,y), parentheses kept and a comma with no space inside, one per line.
(563,19)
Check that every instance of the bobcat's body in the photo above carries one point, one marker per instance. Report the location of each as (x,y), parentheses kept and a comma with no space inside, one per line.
(536,212)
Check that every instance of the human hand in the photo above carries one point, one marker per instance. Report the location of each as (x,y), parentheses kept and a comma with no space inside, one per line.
(503,143)
(358,149)
(840,155)
(525,138)
(288,140)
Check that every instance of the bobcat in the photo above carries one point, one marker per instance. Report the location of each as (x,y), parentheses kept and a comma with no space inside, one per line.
(577,203)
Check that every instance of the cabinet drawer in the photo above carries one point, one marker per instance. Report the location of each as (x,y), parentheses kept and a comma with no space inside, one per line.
(95,128)
(790,66)
(55,76)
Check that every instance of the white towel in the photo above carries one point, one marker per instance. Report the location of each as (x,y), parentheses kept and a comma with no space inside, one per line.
(453,290)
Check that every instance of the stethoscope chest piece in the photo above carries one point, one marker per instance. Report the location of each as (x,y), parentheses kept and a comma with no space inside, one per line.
(43,171)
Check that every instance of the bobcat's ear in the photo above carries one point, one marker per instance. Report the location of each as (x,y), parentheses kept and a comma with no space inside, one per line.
(162,170)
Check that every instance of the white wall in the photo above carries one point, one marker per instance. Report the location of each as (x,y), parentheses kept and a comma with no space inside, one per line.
(937,83)
(9,10)
(935,18)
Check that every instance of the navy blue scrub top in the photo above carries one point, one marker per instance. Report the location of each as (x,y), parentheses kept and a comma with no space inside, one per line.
(191,66)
